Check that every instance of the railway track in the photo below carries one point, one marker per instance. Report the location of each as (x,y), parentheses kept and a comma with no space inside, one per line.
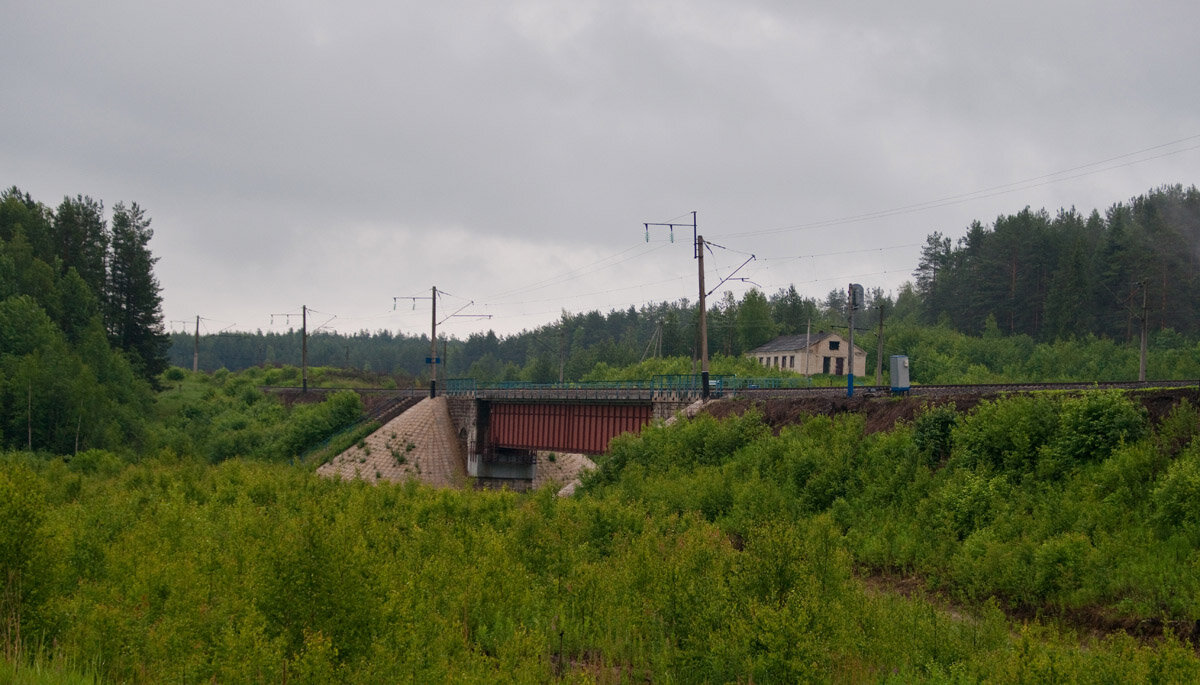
(623,393)
(965,389)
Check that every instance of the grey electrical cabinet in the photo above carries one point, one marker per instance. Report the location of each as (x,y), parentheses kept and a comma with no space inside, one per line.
(899,373)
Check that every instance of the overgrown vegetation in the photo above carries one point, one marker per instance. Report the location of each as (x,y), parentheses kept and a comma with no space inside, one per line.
(183,536)
(703,551)
(1046,503)
(224,415)
(733,558)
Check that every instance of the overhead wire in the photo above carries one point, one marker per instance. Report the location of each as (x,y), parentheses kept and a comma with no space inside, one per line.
(840,253)
(1079,171)
(578,273)
(984,193)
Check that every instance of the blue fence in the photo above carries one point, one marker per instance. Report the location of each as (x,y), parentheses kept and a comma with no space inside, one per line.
(678,385)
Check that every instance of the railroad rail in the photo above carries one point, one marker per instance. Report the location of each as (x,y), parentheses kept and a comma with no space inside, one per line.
(722,387)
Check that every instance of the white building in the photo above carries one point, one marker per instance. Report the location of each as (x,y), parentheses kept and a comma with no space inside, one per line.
(810,354)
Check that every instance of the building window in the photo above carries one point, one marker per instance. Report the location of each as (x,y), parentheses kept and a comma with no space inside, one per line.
(835,344)
(792,361)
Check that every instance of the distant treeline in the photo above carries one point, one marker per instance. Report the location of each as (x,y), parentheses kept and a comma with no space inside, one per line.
(569,347)
(1047,279)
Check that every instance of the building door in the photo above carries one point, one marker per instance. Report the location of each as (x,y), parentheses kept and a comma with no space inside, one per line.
(840,366)
(825,366)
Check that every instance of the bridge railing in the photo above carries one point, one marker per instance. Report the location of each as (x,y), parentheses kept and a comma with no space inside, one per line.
(577,390)
(460,387)
(660,387)
(736,383)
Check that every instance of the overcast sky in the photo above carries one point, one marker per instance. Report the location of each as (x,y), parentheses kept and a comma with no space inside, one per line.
(339,155)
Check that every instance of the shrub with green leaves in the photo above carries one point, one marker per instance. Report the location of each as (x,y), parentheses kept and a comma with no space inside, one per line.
(1176,497)
(310,424)
(1005,434)
(933,431)
(1090,427)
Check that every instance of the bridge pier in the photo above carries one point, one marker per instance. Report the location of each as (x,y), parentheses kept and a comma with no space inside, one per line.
(490,467)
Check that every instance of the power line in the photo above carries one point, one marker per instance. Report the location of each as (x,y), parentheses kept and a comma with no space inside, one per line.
(984,193)
(841,253)
(578,273)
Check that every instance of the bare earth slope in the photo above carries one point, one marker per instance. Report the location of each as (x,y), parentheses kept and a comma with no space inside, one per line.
(420,443)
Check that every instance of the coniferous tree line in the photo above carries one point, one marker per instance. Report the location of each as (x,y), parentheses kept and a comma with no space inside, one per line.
(1069,275)
(567,349)
(81,335)
(112,260)
(1028,275)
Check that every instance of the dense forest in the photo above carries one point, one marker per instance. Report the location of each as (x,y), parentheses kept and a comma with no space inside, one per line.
(1055,277)
(81,335)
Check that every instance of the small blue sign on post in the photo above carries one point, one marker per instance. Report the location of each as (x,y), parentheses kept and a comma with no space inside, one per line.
(433,360)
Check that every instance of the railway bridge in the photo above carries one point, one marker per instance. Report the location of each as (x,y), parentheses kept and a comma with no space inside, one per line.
(504,426)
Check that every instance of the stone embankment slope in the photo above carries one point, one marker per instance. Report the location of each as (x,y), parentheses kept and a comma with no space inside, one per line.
(420,443)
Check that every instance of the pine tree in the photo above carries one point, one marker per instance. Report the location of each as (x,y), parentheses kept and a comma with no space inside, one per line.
(81,239)
(19,213)
(754,323)
(133,303)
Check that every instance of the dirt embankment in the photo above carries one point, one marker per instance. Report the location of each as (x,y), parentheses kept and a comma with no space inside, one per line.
(882,413)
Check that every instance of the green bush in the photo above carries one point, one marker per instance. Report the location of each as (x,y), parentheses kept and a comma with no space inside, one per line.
(965,502)
(1062,564)
(1176,497)
(310,424)
(1177,430)
(96,461)
(22,556)
(1090,427)
(933,432)
(1005,434)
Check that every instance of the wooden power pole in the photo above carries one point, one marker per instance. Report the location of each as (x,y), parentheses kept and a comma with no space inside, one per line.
(698,246)
(433,360)
(703,320)
(196,348)
(303,348)
(1142,354)
(879,350)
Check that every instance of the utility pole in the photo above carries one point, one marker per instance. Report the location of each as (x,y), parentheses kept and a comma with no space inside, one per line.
(855,298)
(303,341)
(1142,355)
(879,350)
(304,348)
(807,348)
(562,351)
(703,320)
(698,255)
(433,360)
(196,348)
